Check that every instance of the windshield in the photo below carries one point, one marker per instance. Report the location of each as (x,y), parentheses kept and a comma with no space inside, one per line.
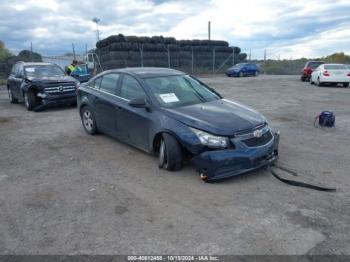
(238,65)
(176,91)
(314,65)
(43,71)
(80,70)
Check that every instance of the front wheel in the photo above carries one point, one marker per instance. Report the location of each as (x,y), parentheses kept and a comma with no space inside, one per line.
(345,84)
(11,98)
(170,154)
(240,74)
(88,120)
(256,73)
(29,100)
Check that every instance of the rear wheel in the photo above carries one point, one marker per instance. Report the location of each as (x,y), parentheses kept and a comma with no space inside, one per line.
(318,82)
(302,79)
(29,100)
(256,73)
(11,98)
(170,154)
(88,120)
(345,84)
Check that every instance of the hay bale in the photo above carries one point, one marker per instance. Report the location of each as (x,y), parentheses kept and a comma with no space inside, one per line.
(169,40)
(197,49)
(219,43)
(242,57)
(144,39)
(225,49)
(236,50)
(157,39)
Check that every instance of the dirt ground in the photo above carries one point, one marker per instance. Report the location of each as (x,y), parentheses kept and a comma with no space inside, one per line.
(65,192)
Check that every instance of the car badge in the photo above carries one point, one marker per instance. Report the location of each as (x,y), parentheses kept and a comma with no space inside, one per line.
(60,88)
(257,133)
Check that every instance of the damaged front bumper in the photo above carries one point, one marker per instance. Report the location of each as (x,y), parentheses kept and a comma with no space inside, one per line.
(49,100)
(219,164)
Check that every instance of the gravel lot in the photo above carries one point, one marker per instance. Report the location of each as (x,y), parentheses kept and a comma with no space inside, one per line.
(64,192)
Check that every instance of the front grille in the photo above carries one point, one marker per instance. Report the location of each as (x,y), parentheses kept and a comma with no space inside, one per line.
(258,141)
(60,89)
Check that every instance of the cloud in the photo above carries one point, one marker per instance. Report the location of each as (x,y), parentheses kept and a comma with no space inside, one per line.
(286,28)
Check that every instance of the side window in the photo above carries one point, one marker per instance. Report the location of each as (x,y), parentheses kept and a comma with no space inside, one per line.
(109,83)
(97,83)
(14,68)
(131,89)
(20,72)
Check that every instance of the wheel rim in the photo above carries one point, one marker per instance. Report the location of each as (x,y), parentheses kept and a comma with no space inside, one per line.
(240,74)
(88,120)
(162,155)
(10,94)
(26,101)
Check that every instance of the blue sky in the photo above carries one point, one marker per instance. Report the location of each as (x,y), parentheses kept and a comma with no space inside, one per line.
(286,29)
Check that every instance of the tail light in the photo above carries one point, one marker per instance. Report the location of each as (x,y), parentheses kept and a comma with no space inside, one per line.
(326,73)
(308,70)
(348,74)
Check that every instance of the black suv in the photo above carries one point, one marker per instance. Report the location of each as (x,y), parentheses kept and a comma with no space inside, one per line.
(40,85)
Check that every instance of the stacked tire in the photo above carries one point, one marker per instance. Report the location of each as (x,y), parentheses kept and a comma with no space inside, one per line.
(119,51)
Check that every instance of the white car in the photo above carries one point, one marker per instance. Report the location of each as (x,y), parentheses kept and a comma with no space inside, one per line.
(331,74)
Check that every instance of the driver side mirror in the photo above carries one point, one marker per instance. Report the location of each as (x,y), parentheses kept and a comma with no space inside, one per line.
(139,103)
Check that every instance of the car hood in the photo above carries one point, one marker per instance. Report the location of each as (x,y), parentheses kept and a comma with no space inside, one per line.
(52,79)
(219,117)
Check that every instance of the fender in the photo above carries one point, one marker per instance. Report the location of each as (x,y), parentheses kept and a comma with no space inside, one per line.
(181,132)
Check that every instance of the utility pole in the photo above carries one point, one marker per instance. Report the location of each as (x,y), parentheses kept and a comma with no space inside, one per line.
(265,61)
(96,21)
(31,51)
(233,56)
(209,30)
(73,51)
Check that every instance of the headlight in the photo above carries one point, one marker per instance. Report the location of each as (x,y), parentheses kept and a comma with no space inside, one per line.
(211,140)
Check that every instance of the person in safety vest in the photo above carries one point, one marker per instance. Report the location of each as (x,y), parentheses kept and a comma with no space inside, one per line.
(72,67)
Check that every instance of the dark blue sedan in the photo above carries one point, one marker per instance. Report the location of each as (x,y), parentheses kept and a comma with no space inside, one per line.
(177,117)
(243,69)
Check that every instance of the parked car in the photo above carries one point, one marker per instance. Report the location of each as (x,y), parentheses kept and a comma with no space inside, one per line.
(176,116)
(40,84)
(243,69)
(309,67)
(331,74)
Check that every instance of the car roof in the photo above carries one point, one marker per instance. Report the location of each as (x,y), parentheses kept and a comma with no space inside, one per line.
(148,72)
(34,63)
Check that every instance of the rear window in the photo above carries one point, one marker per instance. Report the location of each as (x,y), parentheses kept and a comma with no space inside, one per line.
(335,67)
(314,65)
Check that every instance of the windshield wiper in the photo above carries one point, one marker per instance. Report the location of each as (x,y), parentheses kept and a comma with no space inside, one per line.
(196,92)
